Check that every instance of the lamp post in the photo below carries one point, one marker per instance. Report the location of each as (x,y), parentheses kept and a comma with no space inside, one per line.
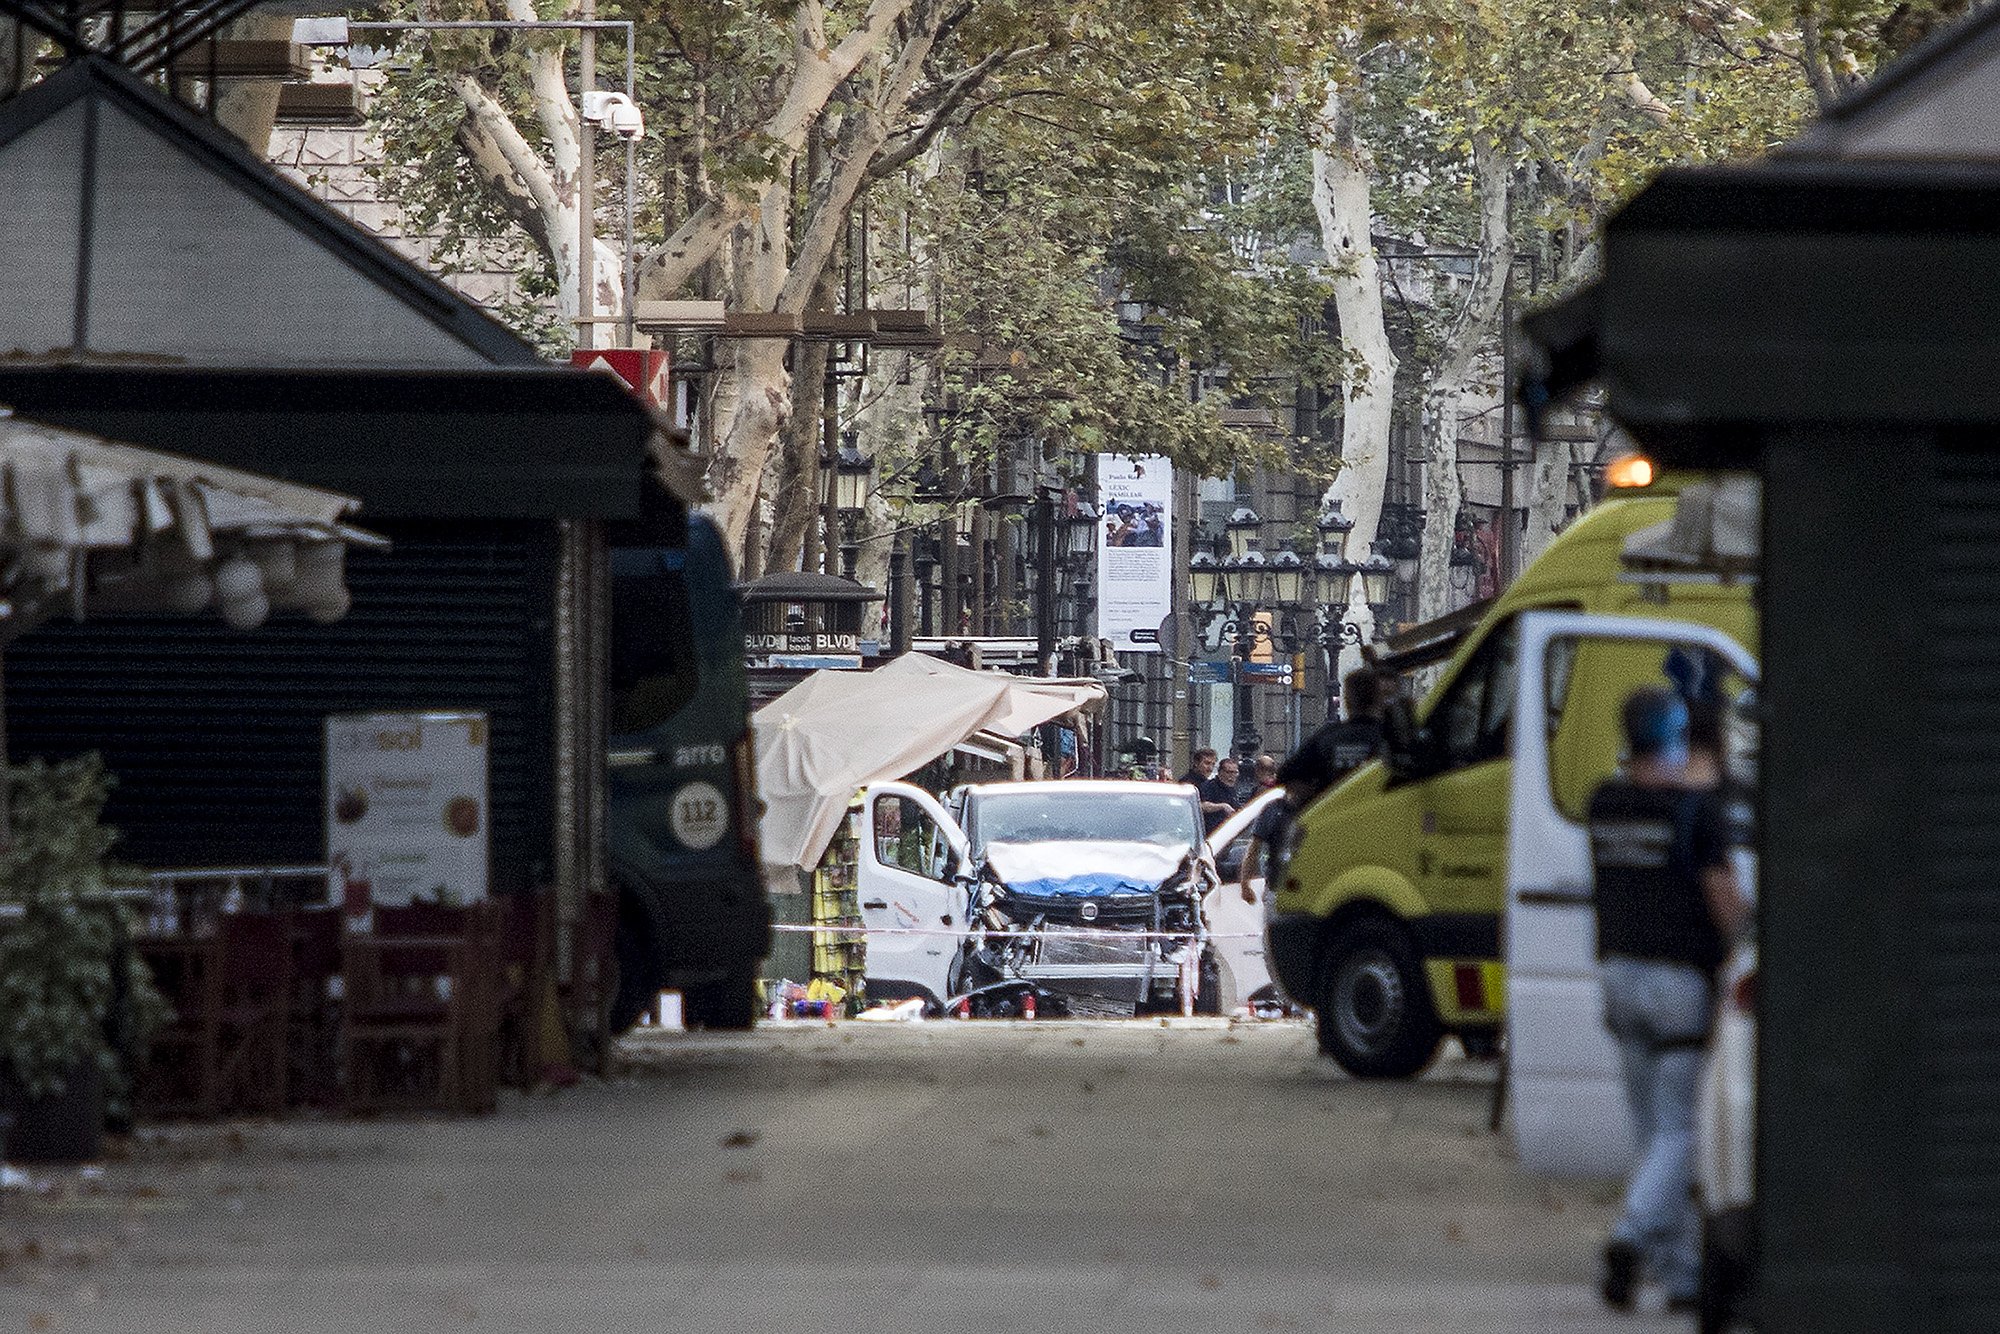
(853,483)
(1240,587)
(1243,527)
(1333,581)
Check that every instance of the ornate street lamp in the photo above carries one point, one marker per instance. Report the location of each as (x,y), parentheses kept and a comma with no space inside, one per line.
(1204,579)
(1333,529)
(1244,525)
(1228,579)
(1333,578)
(854,477)
(1080,534)
(1253,588)
(1377,574)
(1287,579)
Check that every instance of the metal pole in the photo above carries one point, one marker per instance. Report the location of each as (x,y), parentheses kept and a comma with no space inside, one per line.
(1045,617)
(631,205)
(1185,501)
(1509,526)
(586,185)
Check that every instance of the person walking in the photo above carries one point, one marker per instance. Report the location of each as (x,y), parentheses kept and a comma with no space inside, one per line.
(1332,752)
(1667,903)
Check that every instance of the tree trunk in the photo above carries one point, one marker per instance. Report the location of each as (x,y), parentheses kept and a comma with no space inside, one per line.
(817,70)
(762,389)
(1471,330)
(1368,380)
(795,485)
(1547,496)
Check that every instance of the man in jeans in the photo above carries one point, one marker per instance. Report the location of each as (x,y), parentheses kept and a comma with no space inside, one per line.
(1667,903)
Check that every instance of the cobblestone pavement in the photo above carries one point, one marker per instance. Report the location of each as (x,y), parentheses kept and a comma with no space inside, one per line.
(949,1178)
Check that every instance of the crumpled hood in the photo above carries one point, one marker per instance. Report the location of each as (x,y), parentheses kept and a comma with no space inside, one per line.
(1083,869)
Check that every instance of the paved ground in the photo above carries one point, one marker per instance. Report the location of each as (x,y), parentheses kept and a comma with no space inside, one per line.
(944,1178)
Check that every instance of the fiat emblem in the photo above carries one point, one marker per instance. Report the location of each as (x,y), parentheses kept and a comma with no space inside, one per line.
(1089,912)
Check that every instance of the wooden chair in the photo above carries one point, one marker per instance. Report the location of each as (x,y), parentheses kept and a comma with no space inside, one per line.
(254,1003)
(416,1026)
(180,1077)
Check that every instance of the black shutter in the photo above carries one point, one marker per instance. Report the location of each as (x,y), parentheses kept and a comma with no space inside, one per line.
(1959,924)
(216,736)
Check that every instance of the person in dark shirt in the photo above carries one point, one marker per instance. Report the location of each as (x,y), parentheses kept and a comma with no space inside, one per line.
(1667,903)
(1340,747)
(1336,750)
(1218,794)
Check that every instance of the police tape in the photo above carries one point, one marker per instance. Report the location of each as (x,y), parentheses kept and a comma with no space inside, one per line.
(1066,933)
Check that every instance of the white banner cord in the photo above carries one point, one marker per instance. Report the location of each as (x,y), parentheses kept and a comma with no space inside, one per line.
(1081,933)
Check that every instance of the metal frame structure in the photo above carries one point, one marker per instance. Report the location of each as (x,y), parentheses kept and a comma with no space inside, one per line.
(91,27)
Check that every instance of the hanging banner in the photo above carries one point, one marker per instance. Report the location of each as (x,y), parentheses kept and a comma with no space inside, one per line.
(406,810)
(1135,573)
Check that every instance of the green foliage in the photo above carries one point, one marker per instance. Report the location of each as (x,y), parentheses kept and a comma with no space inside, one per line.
(56,981)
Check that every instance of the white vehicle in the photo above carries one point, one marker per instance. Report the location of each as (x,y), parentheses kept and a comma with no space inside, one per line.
(1089,893)
(1237,927)
(1570,1115)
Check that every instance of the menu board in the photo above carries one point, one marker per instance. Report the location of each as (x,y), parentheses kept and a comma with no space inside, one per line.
(406,808)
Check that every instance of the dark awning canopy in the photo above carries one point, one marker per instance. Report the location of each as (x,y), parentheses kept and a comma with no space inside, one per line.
(1734,296)
(806,586)
(499,442)
(169,289)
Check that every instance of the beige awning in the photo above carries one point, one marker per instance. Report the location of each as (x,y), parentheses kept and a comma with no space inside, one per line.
(835,732)
(89,525)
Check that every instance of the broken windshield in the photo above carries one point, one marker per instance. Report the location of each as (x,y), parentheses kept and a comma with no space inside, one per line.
(1162,818)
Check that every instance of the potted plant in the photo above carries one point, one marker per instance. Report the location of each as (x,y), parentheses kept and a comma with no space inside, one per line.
(70,994)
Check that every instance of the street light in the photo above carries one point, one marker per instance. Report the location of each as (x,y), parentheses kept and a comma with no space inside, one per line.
(1204,578)
(1253,584)
(1080,534)
(1243,528)
(854,477)
(1287,579)
(1377,574)
(1333,577)
(1333,529)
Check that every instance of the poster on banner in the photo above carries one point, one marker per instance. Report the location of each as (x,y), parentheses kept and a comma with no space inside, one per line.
(1135,574)
(406,808)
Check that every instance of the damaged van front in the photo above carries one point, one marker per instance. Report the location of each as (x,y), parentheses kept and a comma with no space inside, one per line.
(1087,894)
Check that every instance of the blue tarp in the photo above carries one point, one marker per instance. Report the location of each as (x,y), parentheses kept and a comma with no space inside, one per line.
(1093,885)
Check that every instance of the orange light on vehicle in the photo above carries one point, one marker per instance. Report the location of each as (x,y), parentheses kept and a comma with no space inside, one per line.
(1630,471)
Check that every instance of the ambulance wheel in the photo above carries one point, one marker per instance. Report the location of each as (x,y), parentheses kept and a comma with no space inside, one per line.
(1375,1014)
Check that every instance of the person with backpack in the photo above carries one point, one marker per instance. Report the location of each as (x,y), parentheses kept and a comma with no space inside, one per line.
(1667,904)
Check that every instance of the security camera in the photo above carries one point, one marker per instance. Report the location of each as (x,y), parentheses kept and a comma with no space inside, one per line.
(614,112)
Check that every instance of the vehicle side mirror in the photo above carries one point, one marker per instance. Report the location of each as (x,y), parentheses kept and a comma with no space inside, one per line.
(1401,738)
